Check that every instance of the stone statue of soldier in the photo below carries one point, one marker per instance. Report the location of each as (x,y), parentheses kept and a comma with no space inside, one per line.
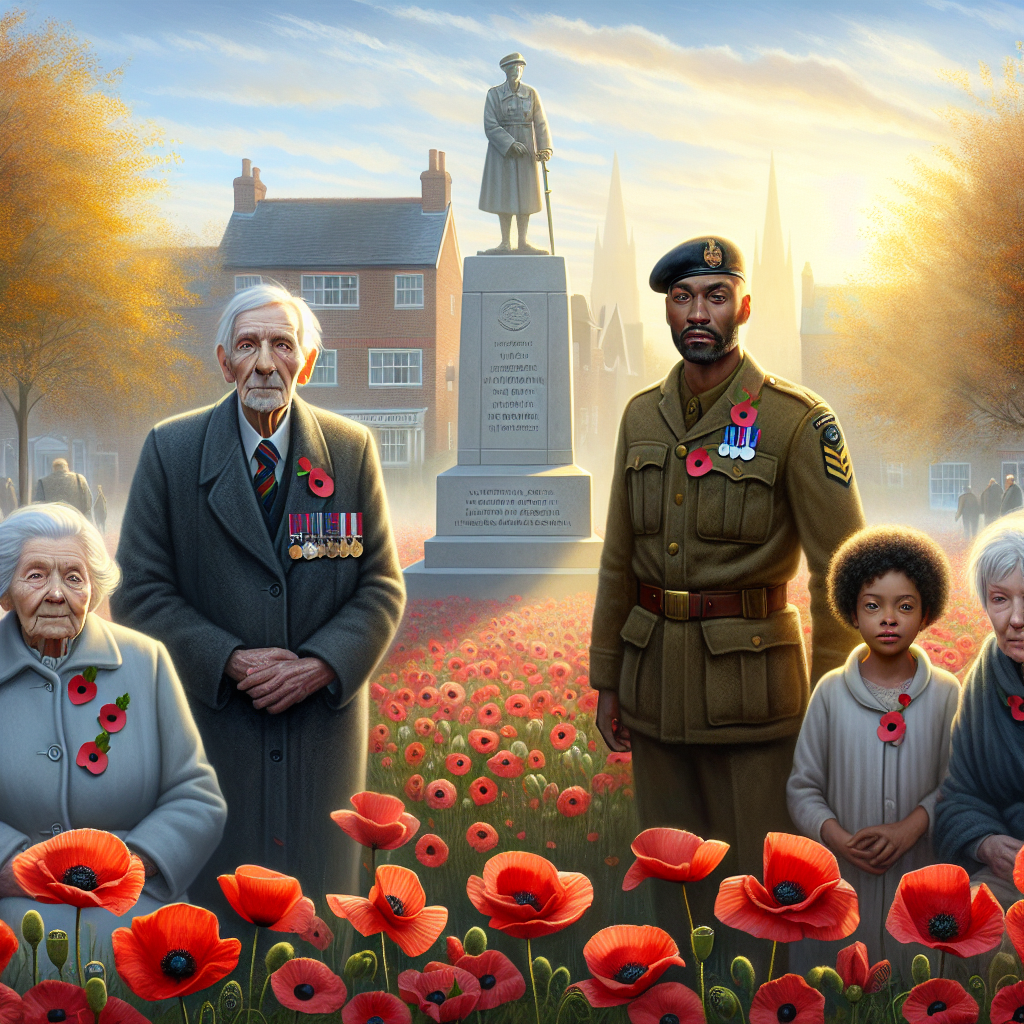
(518,136)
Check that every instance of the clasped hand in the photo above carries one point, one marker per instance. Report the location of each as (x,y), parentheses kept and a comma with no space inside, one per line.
(876,848)
(276,679)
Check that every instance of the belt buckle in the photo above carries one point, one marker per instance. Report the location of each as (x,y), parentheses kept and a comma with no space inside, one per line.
(677,605)
(755,603)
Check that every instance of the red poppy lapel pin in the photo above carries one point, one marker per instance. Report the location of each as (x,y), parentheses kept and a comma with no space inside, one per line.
(892,727)
(82,688)
(319,482)
(92,756)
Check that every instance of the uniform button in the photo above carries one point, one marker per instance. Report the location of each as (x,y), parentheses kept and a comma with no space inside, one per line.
(54,753)
(771,380)
(756,641)
(275,590)
(681,450)
(276,755)
(56,828)
(673,548)
(737,471)
(691,408)
(679,499)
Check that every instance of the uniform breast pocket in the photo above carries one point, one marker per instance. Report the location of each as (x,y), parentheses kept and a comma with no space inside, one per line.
(645,467)
(754,669)
(735,501)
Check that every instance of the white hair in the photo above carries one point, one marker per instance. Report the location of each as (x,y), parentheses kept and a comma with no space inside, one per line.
(996,552)
(57,521)
(270,293)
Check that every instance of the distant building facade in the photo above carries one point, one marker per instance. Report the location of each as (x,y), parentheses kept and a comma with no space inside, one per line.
(384,277)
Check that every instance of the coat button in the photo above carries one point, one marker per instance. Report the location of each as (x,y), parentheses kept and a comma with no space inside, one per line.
(756,641)
(275,590)
(54,753)
(276,755)
(679,499)
(673,548)
(56,828)
(681,450)
(49,687)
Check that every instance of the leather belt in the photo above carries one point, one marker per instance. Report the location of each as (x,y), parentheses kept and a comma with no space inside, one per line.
(681,605)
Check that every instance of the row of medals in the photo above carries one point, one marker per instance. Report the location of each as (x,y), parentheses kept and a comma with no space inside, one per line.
(323,547)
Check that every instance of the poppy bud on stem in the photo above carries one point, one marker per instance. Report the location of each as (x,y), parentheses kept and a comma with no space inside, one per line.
(229,1002)
(57,950)
(32,932)
(277,956)
(921,969)
(362,965)
(96,996)
(724,1002)
(475,942)
(742,972)
(1002,964)
(558,984)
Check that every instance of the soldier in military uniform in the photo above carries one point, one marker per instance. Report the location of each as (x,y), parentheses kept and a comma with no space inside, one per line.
(723,474)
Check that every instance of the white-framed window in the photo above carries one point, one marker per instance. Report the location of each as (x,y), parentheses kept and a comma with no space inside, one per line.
(396,367)
(892,474)
(243,281)
(946,482)
(394,447)
(326,370)
(408,291)
(331,290)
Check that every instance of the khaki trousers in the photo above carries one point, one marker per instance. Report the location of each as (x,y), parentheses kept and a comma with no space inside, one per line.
(735,793)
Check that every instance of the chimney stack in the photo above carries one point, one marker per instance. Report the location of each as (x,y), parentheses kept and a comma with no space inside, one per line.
(436,184)
(249,190)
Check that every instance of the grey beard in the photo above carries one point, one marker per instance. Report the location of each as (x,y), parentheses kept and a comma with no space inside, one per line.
(265,402)
(705,356)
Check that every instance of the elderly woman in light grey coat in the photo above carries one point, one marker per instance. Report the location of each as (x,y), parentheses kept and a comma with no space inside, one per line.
(62,670)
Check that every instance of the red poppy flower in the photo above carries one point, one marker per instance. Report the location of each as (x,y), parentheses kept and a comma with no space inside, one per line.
(603,782)
(572,801)
(517,705)
(8,945)
(432,992)
(788,999)
(481,836)
(375,1008)
(550,791)
(456,664)
(1008,1005)
(1016,707)
(506,765)
(80,690)
(1015,926)
(91,758)
(541,699)
(587,701)
(559,671)
(318,934)
(440,795)
(940,1001)
(83,867)
(458,764)
(453,693)
(892,727)
(406,696)
(12,1010)
(54,997)
(483,741)
(526,895)
(698,462)
(414,787)
(112,718)
(414,753)
(1018,870)
(852,967)
(489,714)
(671,854)
(423,726)
(267,899)
(379,821)
(802,896)
(670,999)
(175,951)
(309,986)
(428,697)
(562,736)
(535,759)
(431,850)
(455,949)
(624,961)
(934,906)
(466,715)
(397,906)
(395,711)
(483,791)
(619,757)
(500,980)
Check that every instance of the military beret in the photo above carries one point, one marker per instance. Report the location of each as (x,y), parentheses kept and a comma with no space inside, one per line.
(512,58)
(697,257)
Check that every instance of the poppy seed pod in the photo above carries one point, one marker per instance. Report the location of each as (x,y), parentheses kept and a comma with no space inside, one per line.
(854,994)
(230,999)
(362,965)
(475,942)
(95,969)
(458,744)
(921,969)
(533,787)
(559,983)
(724,1002)
(588,763)
(1002,964)
(520,749)
(32,928)
(542,972)
(278,955)
(742,971)
(96,995)
(57,948)
(703,940)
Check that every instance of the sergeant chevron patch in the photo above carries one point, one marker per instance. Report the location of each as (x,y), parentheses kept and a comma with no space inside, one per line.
(837,459)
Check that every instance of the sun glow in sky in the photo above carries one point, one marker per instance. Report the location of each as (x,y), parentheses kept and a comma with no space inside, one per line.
(345,98)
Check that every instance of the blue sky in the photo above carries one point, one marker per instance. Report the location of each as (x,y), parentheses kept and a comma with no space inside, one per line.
(345,97)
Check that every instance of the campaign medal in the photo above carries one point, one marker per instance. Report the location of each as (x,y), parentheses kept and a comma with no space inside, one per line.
(333,531)
(749,442)
(355,531)
(294,535)
(308,547)
(321,537)
(726,445)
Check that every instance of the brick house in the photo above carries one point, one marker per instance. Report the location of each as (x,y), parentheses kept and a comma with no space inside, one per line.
(384,277)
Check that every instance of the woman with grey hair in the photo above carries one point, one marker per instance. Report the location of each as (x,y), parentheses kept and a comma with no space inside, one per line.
(979,819)
(94,726)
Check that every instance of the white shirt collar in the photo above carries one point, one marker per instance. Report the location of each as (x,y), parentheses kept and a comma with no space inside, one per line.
(281,438)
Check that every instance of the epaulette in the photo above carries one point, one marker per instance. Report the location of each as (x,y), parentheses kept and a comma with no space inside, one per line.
(656,386)
(787,387)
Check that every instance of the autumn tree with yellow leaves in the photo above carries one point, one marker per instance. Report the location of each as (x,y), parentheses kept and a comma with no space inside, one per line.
(932,342)
(91,291)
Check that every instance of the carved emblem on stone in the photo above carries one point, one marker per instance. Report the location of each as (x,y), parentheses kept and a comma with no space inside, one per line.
(514,315)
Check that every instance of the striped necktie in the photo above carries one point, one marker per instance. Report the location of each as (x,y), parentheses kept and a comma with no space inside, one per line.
(267,456)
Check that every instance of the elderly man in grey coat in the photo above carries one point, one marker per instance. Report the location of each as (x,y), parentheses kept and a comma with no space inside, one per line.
(224,553)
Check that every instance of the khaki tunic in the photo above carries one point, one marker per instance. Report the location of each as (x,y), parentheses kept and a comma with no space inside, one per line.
(740,526)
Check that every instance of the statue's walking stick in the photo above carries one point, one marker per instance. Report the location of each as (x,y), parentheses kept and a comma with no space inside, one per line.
(547,203)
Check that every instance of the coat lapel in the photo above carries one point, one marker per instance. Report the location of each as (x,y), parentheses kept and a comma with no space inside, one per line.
(95,646)
(749,377)
(671,404)
(231,495)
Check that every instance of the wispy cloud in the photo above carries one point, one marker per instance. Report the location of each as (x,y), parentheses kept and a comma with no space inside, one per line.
(1004,17)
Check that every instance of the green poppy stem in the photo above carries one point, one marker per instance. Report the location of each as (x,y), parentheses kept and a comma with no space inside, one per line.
(533,981)
(771,963)
(78,945)
(263,993)
(35,964)
(184,1012)
(252,971)
(693,949)
(689,916)
(384,963)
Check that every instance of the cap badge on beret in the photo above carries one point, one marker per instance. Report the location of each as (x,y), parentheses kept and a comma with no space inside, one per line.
(712,254)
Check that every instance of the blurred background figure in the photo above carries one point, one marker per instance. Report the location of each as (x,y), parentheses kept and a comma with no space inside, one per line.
(1013,497)
(991,498)
(968,509)
(63,485)
(99,509)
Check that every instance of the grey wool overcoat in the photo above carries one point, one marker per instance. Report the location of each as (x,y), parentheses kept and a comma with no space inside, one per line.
(512,184)
(202,574)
